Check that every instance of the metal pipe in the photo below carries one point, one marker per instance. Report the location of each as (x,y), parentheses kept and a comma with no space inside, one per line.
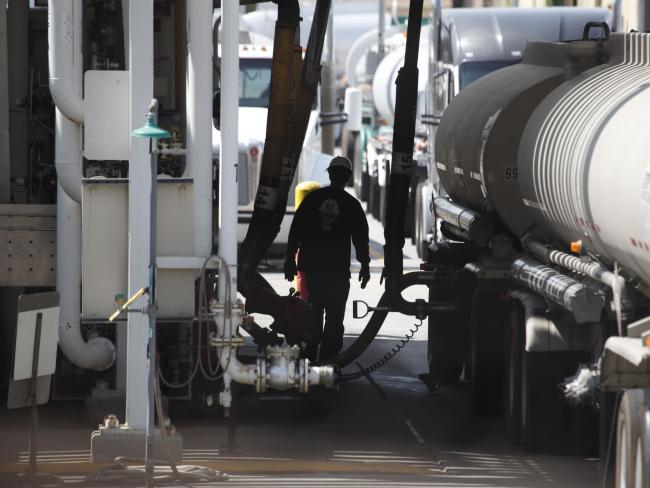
(229,148)
(580,265)
(479,227)
(140,29)
(98,353)
(199,115)
(67,155)
(585,304)
(65,58)
(280,369)
(587,267)
(65,65)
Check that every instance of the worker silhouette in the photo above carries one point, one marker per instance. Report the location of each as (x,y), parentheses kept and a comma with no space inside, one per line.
(322,227)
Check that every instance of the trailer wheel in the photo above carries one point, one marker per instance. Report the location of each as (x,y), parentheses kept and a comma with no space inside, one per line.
(514,346)
(633,440)
(548,422)
(445,351)
(486,332)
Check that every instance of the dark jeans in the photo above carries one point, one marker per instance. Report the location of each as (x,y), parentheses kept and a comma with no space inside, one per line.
(327,294)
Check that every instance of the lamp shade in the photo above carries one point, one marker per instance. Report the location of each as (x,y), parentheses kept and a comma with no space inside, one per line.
(151,130)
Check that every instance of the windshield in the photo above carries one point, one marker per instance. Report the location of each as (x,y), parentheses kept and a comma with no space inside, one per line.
(254,82)
(472,71)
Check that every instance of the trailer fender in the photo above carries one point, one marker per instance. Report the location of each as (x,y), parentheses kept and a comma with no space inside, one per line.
(625,364)
(544,334)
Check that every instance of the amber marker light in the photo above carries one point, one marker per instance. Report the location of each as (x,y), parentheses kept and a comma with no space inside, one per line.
(576,247)
(646,340)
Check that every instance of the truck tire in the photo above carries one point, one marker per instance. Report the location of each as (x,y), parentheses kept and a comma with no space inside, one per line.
(514,346)
(445,351)
(642,447)
(548,422)
(487,321)
(633,440)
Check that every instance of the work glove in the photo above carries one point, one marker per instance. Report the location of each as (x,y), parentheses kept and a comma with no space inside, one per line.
(364,274)
(290,269)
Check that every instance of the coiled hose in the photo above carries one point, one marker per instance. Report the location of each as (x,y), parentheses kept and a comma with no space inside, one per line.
(385,358)
(374,324)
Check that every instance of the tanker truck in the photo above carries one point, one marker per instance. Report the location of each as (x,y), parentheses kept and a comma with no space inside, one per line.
(542,239)
(458,47)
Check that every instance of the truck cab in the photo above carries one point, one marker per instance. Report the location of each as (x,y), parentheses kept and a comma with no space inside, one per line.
(254,89)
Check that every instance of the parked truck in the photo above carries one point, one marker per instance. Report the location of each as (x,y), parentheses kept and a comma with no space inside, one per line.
(539,270)
(458,47)
(541,233)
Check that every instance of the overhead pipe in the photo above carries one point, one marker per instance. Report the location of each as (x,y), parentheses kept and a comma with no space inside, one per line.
(402,167)
(66,71)
(199,119)
(65,65)
(65,58)
(67,155)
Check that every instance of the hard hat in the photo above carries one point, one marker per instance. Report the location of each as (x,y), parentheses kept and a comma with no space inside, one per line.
(340,162)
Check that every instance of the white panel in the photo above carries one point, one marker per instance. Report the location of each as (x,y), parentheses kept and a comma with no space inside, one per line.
(104,246)
(175,236)
(25,343)
(106,123)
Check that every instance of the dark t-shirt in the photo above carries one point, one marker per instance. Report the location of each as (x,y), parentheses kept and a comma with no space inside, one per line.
(322,227)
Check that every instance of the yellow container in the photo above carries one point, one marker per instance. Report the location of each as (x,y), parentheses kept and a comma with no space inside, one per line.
(305,188)
(302,190)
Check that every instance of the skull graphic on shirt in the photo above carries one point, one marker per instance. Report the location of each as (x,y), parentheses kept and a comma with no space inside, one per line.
(329,214)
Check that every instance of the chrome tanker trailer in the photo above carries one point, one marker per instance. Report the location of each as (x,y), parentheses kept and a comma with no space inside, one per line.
(543,238)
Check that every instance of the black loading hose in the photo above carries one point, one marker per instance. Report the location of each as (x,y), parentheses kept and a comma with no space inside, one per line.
(293,90)
(397,203)
(261,230)
(401,170)
(379,315)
